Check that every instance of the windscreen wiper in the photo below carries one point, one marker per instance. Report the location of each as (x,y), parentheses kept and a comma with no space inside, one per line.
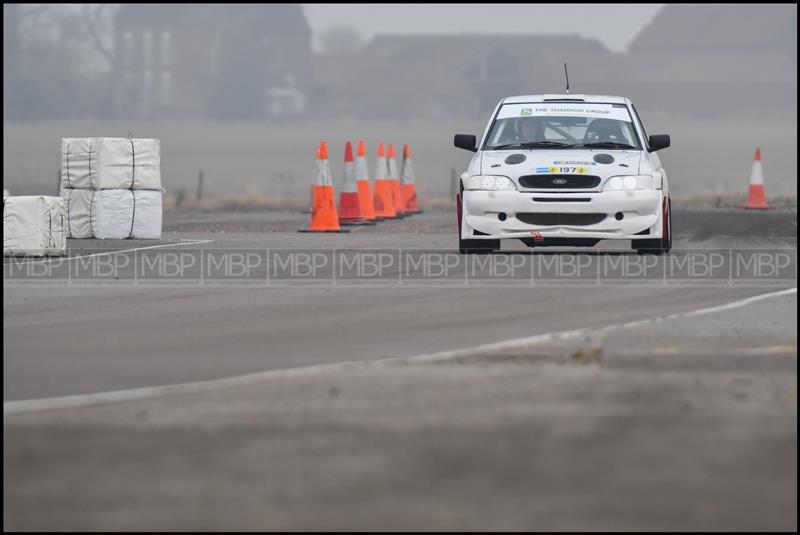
(607,145)
(535,145)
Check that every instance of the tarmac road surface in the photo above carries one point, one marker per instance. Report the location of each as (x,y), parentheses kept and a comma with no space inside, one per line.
(688,422)
(107,334)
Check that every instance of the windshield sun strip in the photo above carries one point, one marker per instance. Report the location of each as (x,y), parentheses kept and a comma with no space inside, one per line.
(489,131)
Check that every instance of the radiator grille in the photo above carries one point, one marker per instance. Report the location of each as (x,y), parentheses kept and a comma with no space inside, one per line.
(553,181)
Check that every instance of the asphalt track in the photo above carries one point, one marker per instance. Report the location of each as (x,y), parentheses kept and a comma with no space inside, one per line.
(122,333)
(683,422)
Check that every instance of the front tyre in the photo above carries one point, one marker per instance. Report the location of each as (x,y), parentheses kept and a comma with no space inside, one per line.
(472,246)
(659,245)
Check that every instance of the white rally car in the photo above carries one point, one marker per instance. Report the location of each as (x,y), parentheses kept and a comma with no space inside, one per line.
(564,170)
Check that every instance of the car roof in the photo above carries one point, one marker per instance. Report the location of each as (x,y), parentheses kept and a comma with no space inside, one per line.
(522,99)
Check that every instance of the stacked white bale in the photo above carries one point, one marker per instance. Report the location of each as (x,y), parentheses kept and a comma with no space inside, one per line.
(78,204)
(34,225)
(110,163)
(113,213)
(122,213)
(112,187)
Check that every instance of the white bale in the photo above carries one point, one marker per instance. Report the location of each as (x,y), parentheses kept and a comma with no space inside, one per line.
(110,163)
(34,225)
(121,213)
(148,214)
(78,205)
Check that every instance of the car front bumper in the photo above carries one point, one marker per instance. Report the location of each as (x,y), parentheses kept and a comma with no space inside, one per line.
(640,209)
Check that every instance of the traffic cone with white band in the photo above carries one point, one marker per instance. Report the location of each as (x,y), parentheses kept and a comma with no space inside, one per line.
(362,182)
(408,186)
(394,181)
(756,200)
(323,206)
(349,203)
(384,207)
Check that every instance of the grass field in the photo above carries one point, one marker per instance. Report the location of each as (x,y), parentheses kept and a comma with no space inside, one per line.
(707,161)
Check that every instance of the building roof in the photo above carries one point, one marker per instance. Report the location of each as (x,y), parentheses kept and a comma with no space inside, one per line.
(395,42)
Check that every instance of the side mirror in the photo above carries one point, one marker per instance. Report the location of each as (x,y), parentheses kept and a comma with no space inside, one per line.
(658,142)
(465,141)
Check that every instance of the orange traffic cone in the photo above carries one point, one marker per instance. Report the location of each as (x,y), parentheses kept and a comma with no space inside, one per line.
(394,178)
(349,203)
(407,184)
(323,208)
(755,197)
(384,207)
(362,181)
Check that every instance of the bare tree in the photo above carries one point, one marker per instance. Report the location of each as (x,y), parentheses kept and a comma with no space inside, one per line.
(57,59)
(99,20)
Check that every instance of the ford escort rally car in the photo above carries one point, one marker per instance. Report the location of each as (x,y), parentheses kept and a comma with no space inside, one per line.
(554,170)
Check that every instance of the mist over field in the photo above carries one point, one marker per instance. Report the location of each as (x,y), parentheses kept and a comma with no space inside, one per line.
(246,94)
(706,157)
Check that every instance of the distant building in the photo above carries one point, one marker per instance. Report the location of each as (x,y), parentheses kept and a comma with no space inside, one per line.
(441,75)
(695,60)
(716,59)
(749,28)
(215,60)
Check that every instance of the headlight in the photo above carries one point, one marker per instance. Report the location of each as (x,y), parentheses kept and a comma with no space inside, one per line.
(491,183)
(628,183)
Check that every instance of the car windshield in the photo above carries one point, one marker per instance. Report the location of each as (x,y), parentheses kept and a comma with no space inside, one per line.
(562,126)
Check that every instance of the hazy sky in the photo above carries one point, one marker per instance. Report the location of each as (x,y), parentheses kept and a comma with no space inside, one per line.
(615,25)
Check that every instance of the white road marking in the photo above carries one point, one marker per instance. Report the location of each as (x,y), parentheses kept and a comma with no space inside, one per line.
(740,303)
(711,351)
(184,241)
(33,405)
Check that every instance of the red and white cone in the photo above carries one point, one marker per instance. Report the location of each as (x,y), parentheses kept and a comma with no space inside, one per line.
(323,208)
(756,200)
(362,182)
(349,203)
(408,186)
(384,205)
(394,181)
